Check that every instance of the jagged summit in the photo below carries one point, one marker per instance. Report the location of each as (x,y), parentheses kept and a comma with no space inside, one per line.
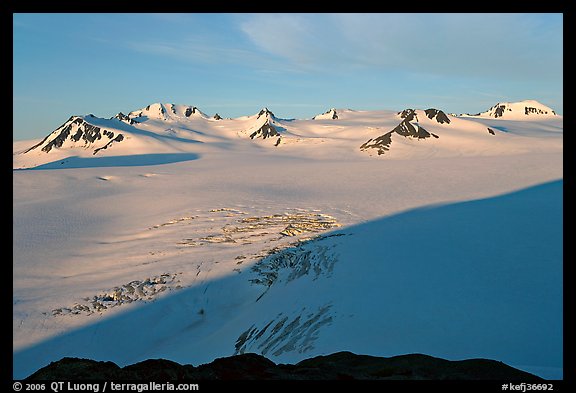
(267,130)
(431,113)
(527,109)
(165,112)
(266,125)
(265,112)
(126,119)
(440,116)
(329,114)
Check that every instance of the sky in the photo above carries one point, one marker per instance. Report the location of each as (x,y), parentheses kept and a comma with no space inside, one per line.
(298,65)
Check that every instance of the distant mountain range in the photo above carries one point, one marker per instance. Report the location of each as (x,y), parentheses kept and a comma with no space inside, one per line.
(162,128)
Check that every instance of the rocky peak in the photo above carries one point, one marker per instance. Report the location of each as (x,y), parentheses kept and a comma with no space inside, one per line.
(329,114)
(267,130)
(124,118)
(190,111)
(265,112)
(438,115)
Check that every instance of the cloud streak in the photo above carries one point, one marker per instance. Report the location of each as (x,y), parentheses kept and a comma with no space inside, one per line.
(203,52)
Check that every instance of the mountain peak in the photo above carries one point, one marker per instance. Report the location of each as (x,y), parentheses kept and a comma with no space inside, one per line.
(79,133)
(408,128)
(265,112)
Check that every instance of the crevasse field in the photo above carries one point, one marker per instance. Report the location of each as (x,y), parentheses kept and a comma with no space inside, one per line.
(377,232)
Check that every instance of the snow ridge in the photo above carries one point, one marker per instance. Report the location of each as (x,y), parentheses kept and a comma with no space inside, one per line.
(527,109)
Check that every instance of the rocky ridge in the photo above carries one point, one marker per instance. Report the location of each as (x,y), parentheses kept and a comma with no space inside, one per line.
(408,128)
(250,366)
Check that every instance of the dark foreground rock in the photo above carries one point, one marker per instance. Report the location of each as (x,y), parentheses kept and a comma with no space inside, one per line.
(338,366)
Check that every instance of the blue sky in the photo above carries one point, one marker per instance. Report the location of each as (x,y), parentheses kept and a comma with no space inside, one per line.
(297,65)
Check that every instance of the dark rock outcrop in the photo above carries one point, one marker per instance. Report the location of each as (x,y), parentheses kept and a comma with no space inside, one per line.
(382,143)
(78,369)
(438,114)
(250,366)
(119,138)
(531,110)
(190,111)
(499,111)
(122,117)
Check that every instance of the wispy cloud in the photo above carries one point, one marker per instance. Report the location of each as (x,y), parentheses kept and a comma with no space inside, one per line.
(447,44)
(308,41)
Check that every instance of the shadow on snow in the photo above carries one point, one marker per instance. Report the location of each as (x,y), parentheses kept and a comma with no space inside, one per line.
(116,161)
(467,279)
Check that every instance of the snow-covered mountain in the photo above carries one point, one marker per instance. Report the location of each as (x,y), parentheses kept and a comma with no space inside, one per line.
(521,110)
(329,114)
(170,233)
(166,112)
(265,125)
(79,133)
